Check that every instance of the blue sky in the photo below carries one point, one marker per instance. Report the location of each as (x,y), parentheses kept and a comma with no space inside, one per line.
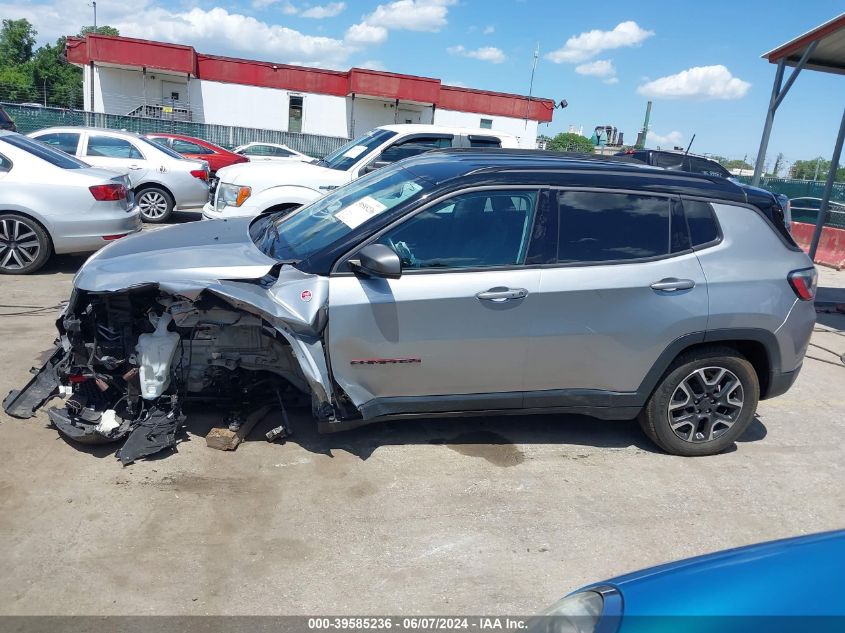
(605,58)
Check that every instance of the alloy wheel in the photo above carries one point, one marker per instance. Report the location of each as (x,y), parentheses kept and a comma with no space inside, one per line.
(153,204)
(705,405)
(19,245)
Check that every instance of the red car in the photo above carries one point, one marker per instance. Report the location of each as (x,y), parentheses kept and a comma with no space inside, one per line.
(196,148)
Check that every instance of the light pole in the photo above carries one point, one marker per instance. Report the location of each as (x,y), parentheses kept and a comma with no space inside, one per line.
(93,3)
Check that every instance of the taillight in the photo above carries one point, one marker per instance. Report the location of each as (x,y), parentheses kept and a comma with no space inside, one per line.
(105,193)
(199,173)
(803,282)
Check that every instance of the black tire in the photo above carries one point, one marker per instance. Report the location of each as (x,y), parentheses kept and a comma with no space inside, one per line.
(156,204)
(706,417)
(24,245)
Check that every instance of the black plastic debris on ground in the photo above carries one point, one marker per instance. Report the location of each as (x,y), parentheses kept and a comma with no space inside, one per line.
(155,433)
(43,386)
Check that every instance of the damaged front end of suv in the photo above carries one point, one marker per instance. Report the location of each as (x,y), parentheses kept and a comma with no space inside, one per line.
(192,313)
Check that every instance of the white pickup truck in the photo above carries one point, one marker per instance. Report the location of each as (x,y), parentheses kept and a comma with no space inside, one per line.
(250,189)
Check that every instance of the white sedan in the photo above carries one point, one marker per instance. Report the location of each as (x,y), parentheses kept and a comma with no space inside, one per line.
(55,203)
(258,151)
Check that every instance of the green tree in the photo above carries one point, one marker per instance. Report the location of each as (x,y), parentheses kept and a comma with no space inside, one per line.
(806,169)
(16,84)
(569,142)
(778,164)
(17,42)
(62,81)
(100,30)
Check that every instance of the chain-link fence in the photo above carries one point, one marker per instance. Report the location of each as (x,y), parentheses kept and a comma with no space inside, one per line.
(29,118)
(803,211)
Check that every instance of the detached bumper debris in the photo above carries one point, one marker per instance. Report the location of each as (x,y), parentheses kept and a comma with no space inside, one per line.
(43,386)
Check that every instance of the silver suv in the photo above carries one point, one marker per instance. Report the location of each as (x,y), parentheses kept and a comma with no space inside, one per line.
(460,282)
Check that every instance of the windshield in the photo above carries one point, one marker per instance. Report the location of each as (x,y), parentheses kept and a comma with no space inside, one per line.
(302,233)
(45,152)
(343,158)
(161,147)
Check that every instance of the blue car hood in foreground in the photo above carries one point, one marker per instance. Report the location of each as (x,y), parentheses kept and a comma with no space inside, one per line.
(802,576)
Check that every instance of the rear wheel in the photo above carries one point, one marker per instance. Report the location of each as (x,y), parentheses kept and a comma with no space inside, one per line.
(156,205)
(24,245)
(703,404)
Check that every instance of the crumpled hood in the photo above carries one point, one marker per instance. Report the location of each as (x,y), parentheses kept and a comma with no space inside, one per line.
(187,254)
(267,174)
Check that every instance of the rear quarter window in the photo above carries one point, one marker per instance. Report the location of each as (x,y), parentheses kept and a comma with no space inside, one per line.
(701,221)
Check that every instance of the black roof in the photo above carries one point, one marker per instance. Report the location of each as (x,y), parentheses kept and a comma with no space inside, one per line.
(496,166)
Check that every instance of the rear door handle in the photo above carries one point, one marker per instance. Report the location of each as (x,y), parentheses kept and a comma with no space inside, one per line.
(501,294)
(136,167)
(670,284)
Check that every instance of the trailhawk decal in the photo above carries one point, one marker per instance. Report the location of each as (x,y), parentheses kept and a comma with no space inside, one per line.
(384,361)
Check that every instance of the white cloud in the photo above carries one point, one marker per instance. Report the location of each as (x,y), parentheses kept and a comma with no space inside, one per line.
(218,29)
(670,140)
(363,33)
(489,29)
(288,8)
(372,64)
(411,15)
(602,68)
(319,12)
(579,48)
(598,68)
(485,53)
(701,82)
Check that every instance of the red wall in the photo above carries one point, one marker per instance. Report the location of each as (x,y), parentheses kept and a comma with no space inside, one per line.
(184,59)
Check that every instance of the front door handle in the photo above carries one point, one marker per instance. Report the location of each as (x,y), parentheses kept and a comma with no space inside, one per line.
(501,294)
(670,284)
(135,167)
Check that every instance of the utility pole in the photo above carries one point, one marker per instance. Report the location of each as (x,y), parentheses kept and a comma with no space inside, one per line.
(45,92)
(818,164)
(531,82)
(93,3)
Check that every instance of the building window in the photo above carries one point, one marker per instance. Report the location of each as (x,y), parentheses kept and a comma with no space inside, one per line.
(486,124)
(295,114)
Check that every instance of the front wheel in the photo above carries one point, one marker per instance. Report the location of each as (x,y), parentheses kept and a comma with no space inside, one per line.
(24,245)
(703,404)
(156,205)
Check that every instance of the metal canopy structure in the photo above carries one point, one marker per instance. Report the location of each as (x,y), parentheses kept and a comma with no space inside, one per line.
(821,49)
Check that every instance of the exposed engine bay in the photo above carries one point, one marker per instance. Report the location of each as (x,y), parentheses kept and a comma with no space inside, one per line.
(127,363)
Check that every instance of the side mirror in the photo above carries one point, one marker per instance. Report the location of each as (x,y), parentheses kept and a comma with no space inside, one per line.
(377,260)
(376,164)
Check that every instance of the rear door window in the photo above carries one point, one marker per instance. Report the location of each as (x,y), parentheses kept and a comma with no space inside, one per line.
(111,147)
(611,227)
(707,167)
(187,147)
(66,141)
(669,161)
(484,141)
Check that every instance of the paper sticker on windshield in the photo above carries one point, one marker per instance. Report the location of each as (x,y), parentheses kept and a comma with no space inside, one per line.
(356,214)
(355,152)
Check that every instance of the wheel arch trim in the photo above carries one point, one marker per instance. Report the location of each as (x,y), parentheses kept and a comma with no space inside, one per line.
(765,338)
